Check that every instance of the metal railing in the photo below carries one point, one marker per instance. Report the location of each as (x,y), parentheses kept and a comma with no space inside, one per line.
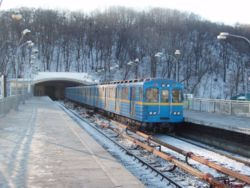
(230,107)
(11,102)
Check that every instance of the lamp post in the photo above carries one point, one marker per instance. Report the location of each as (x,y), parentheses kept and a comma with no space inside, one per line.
(33,70)
(137,61)
(101,71)
(224,36)
(177,54)
(134,63)
(29,43)
(17,17)
(157,55)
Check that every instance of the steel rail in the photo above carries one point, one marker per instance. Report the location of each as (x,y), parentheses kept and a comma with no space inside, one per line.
(187,168)
(191,155)
(204,176)
(211,149)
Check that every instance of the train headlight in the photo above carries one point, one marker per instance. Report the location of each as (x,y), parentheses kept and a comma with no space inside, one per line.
(150,113)
(178,113)
(154,113)
(174,113)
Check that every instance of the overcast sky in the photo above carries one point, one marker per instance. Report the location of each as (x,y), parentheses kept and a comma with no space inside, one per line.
(223,11)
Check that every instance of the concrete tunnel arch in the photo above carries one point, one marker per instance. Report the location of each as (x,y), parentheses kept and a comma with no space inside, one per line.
(52,84)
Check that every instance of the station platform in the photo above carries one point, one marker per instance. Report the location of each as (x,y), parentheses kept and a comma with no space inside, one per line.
(41,146)
(222,121)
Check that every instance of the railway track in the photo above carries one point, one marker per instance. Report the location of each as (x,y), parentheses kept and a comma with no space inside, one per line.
(148,164)
(154,145)
(212,149)
(188,154)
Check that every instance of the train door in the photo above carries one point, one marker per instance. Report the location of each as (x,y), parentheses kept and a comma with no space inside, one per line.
(92,96)
(132,101)
(177,99)
(106,97)
(118,99)
(152,96)
(100,95)
(97,98)
(166,102)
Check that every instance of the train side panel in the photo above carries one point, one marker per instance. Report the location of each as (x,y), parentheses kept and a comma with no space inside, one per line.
(124,102)
(110,98)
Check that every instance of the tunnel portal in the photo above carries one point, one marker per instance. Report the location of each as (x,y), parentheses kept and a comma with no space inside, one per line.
(53,89)
(52,84)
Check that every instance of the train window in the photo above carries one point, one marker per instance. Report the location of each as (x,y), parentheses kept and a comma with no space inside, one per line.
(165,95)
(120,92)
(101,92)
(106,92)
(112,92)
(133,94)
(109,92)
(124,93)
(117,94)
(176,96)
(152,95)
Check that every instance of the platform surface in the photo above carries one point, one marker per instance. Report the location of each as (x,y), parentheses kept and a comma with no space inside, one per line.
(227,122)
(41,146)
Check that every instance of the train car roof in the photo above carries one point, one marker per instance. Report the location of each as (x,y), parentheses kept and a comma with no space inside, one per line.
(134,81)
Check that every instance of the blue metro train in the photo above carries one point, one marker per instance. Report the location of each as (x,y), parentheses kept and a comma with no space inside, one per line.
(147,102)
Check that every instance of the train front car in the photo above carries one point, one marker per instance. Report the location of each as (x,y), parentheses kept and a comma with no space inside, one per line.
(163,102)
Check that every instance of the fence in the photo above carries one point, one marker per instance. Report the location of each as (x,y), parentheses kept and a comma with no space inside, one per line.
(230,107)
(11,102)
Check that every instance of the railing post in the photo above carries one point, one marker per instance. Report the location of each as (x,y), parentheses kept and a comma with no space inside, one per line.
(249,108)
(214,106)
(1,106)
(230,107)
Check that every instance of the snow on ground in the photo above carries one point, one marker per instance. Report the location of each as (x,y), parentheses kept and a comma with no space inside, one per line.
(220,159)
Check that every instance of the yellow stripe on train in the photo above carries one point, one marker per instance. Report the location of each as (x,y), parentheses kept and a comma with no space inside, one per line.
(143,103)
(159,104)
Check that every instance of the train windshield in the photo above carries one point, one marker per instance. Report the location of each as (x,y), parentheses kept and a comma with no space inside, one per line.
(152,95)
(165,95)
(177,96)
